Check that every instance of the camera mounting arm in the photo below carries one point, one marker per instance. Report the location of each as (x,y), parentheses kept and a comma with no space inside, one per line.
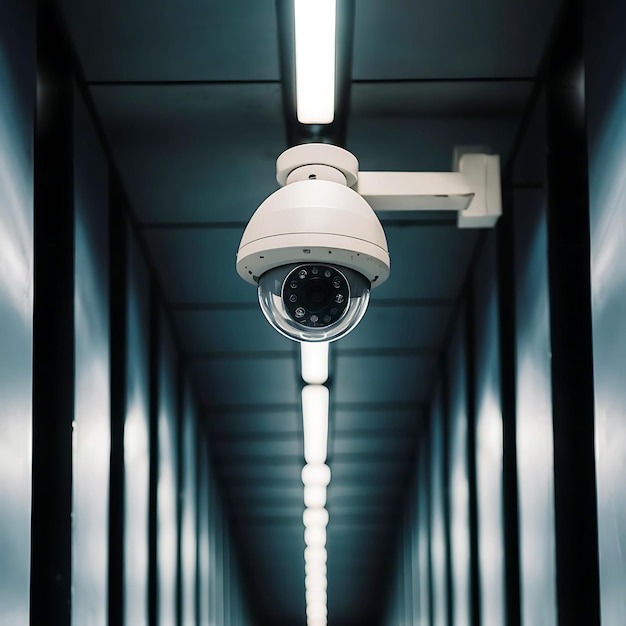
(472,189)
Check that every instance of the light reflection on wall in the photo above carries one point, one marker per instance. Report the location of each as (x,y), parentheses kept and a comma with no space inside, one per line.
(204,544)
(91,440)
(167,481)
(136,441)
(606,117)
(189,494)
(489,442)
(17,57)
(459,486)
(437,532)
(423,536)
(534,431)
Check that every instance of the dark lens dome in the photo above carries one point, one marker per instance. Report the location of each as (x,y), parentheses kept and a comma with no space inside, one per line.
(317,294)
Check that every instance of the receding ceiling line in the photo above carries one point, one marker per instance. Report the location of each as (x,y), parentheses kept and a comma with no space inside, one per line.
(192,225)
(177,83)
(469,79)
(247,354)
(444,220)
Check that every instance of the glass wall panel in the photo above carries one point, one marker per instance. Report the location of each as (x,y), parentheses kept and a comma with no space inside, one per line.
(458,472)
(489,440)
(535,457)
(167,487)
(204,543)
(437,518)
(605,77)
(136,438)
(188,514)
(91,429)
(423,535)
(17,103)
(407,552)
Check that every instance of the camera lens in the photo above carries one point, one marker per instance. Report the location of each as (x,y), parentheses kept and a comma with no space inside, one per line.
(315,296)
(300,300)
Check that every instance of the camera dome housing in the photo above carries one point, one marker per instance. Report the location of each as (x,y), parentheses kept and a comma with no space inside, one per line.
(318,224)
(313,301)
(314,223)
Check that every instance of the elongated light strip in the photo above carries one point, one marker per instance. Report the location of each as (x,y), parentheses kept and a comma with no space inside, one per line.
(314,362)
(315,60)
(315,423)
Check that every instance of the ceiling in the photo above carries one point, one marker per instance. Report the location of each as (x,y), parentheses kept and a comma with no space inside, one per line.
(191,98)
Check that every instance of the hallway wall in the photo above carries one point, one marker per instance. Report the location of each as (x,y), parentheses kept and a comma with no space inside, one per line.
(125,522)
(516,464)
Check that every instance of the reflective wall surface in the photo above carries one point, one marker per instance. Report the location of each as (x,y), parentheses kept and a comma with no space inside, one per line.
(535,454)
(489,440)
(136,437)
(189,495)
(458,485)
(167,489)
(606,114)
(438,543)
(91,430)
(17,101)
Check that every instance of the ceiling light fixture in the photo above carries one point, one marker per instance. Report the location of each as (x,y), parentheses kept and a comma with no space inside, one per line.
(315,517)
(315,60)
(315,423)
(314,362)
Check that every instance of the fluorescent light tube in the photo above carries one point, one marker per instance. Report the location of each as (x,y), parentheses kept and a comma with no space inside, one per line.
(315,581)
(315,517)
(314,362)
(314,496)
(315,423)
(315,536)
(314,554)
(314,475)
(315,60)
(315,567)
(316,610)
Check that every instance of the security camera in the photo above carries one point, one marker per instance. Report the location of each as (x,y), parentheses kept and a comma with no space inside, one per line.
(315,247)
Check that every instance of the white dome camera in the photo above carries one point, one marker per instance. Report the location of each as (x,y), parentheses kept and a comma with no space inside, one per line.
(315,247)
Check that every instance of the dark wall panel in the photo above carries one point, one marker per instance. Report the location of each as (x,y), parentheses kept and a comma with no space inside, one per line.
(136,438)
(489,440)
(17,103)
(535,453)
(91,429)
(606,114)
(167,489)
(458,477)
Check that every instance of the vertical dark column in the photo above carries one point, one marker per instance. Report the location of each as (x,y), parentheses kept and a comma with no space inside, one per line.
(470,354)
(570,328)
(53,349)
(118,259)
(153,573)
(506,314)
